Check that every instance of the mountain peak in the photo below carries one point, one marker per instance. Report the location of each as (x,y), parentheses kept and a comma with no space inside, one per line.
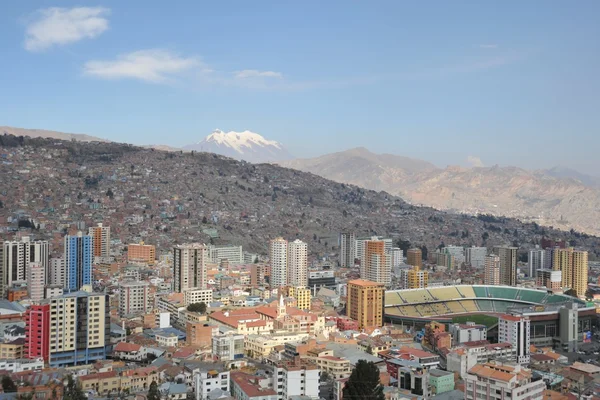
(246,145)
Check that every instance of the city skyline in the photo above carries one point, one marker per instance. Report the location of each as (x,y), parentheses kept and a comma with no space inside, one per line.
(446,83)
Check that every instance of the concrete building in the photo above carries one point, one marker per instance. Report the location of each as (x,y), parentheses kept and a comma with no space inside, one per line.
(15,257)
(78,256)
(228,347)
(535,261)
(37,332)
(495,381)
(320,279)
(79,328)
(475,256)
(199,334)
(251,387)
(207,381)
(297,264)
(189,267)
(53,291)
(36,279)
(58,272)
(365,303)
(414,257)
(141,253)
(233,254)
(569,327)
(347,243)
(397,256)
(508,264)
(134,298)
(574,267)
(375,263)
(417,278)
(259,274)
(441,381)
(516,330)
(192,296)
(101,239)
(278,249)
(298,378)
(302,296)
(462,359)
(458,252)
(467,332)
(549,278)
(492,270)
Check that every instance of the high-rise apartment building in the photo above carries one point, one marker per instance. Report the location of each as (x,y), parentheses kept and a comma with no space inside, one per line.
(573,265)
(37,332)
(278,255)
(397,256)
(359,245)
(536,260)
(458,252)
(492,270)
(134,298)
(549,278)
(508,264)
(417,278)
(189,267)
(297,264)
(141,252)
(57,274)
(79,328)
(78,256)
(347,244)
(365,302)
(16,256)
(515,329)
(475,256)
(36,280)
(259,274)
(375,263)
(414,257)
(101,240)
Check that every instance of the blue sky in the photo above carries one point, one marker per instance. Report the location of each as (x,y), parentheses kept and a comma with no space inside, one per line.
(509,83)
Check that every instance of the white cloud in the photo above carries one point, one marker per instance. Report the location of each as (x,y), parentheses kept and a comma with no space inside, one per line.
(153,65)
(253,73)
(60,26)
(475,161)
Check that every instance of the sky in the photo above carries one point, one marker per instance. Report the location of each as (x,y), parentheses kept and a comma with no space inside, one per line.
(452,82)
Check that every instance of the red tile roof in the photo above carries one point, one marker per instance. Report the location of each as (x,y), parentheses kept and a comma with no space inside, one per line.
(127,347)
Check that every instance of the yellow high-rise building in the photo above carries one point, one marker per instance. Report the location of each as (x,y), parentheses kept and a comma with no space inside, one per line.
(573,265)
(365,303)
(417,278)
(302,296)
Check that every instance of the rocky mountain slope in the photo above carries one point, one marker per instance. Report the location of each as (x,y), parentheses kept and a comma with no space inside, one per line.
(246,145)
(42,133)
(166,198)
(545,197)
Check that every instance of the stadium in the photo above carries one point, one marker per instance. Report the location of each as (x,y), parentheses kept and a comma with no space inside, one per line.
(483,304)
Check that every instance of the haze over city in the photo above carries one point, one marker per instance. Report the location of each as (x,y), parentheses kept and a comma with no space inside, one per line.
(452,83)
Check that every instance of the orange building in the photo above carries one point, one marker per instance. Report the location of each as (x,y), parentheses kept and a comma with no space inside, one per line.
(365,303)
(199,334)
(101,240)
(17,294)
(414,257)
(141,253)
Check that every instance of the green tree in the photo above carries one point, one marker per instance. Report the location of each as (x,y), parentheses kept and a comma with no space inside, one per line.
(72,390)
(190,396)
(197,307)
(8,385)
(153,393)
(571,292)
(364,383)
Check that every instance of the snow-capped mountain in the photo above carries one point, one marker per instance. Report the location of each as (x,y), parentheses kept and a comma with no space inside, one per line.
(246,145)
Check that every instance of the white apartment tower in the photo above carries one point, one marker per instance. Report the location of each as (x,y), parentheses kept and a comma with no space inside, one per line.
(397,256)
(297,265)
(278,255)
(189,267)
(515,329)
(492,270)
(347,244)
(36,279)
(475,256)
(16,256)
(57,273)
(536,260)
(134,298)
